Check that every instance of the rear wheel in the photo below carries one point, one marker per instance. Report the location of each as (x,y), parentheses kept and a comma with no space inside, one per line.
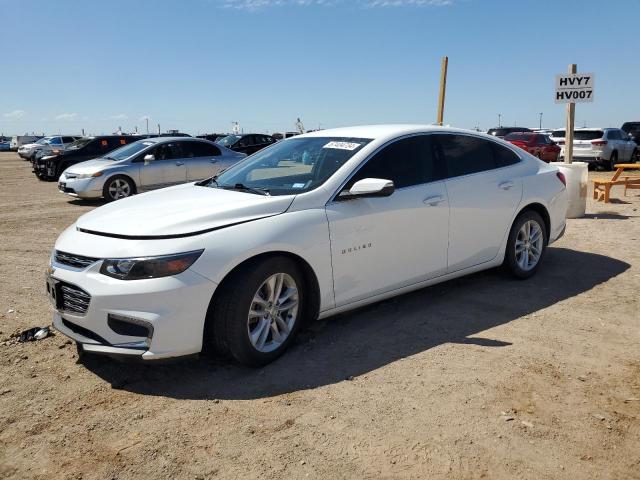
(258,312)
(118,187)
(612,161)
(526,245)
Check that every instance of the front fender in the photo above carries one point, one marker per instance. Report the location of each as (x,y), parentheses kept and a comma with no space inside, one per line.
(303,233)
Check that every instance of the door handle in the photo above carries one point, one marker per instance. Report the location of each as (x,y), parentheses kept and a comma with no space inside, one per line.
(506,185)
(434,200)
(179,163)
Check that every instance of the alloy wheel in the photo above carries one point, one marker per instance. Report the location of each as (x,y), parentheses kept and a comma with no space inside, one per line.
(273,312)
(529,245)
(119,188)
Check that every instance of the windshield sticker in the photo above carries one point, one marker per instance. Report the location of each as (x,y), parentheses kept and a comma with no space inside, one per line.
(342,145)
(297,185)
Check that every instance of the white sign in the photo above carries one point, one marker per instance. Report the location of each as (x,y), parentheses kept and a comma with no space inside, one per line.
(574,88)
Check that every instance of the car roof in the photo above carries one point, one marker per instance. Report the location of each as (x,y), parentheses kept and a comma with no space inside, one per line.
(375,132)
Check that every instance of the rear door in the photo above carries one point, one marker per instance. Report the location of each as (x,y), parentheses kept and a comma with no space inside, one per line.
(484,188)
(201,158)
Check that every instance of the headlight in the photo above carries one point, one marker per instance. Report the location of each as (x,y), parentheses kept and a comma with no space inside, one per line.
(86,175)
(148,267)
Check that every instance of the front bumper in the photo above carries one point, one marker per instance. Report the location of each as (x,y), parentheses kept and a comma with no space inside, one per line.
(174,308)
(81,187)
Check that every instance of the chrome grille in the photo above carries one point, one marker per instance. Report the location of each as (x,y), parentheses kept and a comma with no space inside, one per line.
(76,261)
(73,299)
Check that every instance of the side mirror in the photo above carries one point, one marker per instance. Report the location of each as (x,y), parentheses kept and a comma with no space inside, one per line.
(369,187)
(149,158)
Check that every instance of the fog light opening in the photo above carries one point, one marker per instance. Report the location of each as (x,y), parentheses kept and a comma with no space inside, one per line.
(130,326)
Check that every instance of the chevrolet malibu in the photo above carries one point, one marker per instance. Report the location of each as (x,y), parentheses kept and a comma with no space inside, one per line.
(240,262)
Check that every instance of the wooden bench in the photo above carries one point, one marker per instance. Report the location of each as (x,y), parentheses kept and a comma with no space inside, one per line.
(602,187)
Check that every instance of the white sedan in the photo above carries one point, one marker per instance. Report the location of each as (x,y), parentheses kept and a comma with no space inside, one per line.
(309,227)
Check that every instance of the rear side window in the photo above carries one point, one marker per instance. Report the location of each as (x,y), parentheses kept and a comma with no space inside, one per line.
(407,162)
(199,149)
(465,155)
(503,157)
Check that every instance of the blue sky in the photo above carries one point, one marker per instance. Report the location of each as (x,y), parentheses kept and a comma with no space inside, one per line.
(198,65)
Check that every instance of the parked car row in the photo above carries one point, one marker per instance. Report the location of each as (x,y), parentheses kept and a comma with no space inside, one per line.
(602,147)
(46,145)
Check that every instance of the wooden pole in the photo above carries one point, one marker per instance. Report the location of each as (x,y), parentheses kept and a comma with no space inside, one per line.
(571,117)
(443,89)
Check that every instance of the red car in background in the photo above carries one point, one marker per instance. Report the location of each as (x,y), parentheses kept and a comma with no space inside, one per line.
(536,144)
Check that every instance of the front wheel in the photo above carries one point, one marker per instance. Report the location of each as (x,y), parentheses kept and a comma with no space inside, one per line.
(526,245)
(258,312)
(612,161)
(117,187)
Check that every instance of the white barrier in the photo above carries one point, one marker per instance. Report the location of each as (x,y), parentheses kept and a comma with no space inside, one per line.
(577,175)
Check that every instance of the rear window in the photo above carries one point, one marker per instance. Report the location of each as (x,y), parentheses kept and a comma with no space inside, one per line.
(587,134)
(522,137)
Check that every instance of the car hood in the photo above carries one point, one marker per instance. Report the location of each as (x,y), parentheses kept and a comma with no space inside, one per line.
(91,166)
(179,211)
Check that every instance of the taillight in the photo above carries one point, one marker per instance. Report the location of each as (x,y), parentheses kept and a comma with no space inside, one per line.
(562,178)
(598,143)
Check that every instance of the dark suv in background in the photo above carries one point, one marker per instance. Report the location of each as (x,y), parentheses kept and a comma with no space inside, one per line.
(87,148)
(502,132)
(633,129)
(247,143)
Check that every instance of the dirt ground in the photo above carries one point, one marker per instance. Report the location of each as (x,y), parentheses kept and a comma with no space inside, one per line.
(482,377)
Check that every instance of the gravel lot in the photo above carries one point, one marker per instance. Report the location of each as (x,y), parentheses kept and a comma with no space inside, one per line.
(482,377)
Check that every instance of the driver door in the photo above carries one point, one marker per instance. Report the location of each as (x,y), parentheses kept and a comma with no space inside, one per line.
(168,168)
(382,244)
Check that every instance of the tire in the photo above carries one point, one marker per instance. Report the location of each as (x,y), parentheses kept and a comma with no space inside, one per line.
(230,324)
(612,161)
(118,187)
(634,156)
(520,265)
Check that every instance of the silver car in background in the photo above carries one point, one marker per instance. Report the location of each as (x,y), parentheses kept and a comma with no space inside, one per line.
(145,165)
(52,144)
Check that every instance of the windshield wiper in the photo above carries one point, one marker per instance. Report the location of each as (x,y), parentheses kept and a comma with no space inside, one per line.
(245,188)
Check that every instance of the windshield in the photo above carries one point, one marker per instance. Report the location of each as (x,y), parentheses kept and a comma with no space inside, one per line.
(81,142)
(228,140)
(129,150)
(293,166)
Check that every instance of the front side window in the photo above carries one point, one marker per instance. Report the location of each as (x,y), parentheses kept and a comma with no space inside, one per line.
(291,167)
(465,155)
(56,141)
(407,162)
(167,151)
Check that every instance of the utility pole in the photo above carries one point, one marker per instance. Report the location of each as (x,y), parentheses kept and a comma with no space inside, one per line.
(158,129)
(147,119)
(443,89)
(499,120)
(571,117)
(540,120)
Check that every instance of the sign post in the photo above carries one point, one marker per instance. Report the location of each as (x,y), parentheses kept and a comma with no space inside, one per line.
(443,89)
(571,89)
(574,88)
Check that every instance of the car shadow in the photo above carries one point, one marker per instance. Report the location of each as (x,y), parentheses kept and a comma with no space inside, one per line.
(358,342)
(606,216)
(87,202)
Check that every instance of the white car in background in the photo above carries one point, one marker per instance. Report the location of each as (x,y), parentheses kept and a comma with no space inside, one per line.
(45,146)
(240,262)
(602,146)
(18,140)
